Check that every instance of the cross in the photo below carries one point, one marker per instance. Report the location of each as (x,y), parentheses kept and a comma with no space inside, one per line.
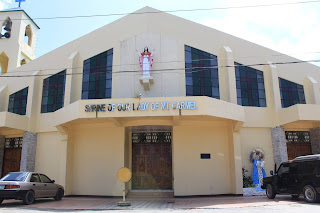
(20,1)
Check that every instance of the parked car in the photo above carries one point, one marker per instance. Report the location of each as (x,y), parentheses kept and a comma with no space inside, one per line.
(296,177)
(28,186)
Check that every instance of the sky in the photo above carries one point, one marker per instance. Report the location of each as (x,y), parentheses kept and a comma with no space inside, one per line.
(290,29)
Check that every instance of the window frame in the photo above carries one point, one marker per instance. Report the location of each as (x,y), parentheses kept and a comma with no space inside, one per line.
(289,91)
(19,98)
(250,86)
(53,90)
(201,73)
(97,76)
(50,181)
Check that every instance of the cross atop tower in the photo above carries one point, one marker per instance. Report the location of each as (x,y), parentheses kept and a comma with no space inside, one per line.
(20,1)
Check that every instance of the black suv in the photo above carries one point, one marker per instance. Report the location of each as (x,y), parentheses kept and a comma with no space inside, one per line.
(299,176)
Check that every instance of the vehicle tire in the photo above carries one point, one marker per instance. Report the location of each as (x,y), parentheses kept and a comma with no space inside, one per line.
(1,200)
(28,198)
(59,194)
(310,194)
(270,192)
(295,196)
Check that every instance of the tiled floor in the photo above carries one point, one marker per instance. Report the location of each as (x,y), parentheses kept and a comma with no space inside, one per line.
(216,202)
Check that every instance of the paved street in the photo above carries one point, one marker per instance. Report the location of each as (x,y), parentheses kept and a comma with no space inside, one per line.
(194,204)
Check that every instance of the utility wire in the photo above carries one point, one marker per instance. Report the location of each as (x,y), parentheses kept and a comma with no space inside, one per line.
(171,11)
(167,62)
(170,70)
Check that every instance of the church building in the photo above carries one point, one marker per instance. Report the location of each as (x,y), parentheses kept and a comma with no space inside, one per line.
(182,105)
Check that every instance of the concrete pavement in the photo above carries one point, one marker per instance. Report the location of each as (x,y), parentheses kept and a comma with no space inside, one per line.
(198,203)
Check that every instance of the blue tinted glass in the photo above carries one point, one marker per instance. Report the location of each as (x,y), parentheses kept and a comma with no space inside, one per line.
(99,73)
(250,86)
(18,102)
(200,81)
(53,92)
(291,93)
(215,91)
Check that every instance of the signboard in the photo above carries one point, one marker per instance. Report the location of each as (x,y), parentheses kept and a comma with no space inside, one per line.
(142,106)
(124,174)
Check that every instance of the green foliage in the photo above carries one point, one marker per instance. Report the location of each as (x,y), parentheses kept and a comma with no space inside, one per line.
(247,180)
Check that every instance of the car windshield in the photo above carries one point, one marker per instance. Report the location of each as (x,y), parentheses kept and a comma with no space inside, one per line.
(16,176)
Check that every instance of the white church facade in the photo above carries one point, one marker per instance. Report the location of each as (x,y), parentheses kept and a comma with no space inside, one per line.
(179,104)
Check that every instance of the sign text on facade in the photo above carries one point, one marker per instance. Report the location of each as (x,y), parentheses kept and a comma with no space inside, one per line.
(143,106)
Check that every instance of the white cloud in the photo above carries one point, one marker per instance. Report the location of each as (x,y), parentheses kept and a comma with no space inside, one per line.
(1,5)
(290,29)
(4,4)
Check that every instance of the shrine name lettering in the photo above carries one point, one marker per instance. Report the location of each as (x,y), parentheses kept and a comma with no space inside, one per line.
(141,106)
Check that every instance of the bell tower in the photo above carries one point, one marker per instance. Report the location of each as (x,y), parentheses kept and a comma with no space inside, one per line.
(18,36)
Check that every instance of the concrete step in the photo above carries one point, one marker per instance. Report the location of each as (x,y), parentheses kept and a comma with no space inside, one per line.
(150,194)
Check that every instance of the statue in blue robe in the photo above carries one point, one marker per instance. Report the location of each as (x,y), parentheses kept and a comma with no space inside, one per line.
(258,172)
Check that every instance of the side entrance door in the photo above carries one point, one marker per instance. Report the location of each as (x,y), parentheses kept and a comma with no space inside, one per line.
(12,155)
(151,160)
(298,143)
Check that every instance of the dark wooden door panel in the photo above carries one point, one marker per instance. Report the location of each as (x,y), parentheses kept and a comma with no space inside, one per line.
(11,161)
(152,163)
(298,149)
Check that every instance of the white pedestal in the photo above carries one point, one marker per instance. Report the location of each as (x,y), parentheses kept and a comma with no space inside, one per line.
(146,81)
(253,192)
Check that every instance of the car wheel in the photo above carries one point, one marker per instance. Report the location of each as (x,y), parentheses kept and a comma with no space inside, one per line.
(29,198)
(59,194)
(270,192)
(295,196)
(310,194)
(1,200)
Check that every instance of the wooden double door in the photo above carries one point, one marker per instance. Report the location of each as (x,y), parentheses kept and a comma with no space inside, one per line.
(12,155)
(152,161)
(298,149)
(298,143)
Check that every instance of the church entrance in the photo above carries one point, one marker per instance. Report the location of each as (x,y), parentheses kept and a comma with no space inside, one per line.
(298,144)
(151,158)
(12,155)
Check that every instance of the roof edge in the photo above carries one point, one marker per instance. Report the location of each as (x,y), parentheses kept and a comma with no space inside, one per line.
(17,10)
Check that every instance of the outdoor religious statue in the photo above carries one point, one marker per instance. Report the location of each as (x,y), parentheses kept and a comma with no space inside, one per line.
(146,60)
(258,172)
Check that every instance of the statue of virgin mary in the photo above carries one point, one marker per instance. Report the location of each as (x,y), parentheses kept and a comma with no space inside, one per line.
(258,172)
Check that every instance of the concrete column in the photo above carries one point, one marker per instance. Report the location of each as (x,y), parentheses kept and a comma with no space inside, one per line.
(311,90)
(62,161)
(279,144)
(3,99)
(227,76)
(2,141)
(272,88)
(238,187)
(33,102)
(315,140)
(28,155)
(73,84)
